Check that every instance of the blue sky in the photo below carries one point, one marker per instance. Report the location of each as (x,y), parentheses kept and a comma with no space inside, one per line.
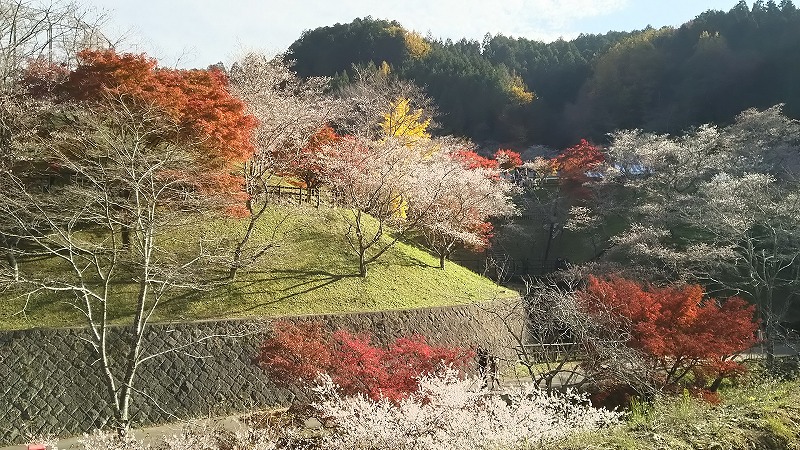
(196,33)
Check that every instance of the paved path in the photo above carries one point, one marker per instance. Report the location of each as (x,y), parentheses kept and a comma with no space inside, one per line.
(153,435)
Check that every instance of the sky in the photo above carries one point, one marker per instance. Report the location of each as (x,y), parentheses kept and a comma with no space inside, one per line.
(197,33)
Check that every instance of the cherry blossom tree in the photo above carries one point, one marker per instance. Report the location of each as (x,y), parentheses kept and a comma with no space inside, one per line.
(718,206)
(455,201)
(561,194)
(374,179)
(290,112)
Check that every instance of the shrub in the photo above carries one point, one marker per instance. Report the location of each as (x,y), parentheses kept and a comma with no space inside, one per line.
(298,353)
(447,412)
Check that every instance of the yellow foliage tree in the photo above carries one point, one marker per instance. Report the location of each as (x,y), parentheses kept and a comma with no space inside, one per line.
(404,123)
(519,92)
(416,46)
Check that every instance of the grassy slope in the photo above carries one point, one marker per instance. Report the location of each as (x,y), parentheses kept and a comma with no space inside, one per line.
(312,271)
(756,415)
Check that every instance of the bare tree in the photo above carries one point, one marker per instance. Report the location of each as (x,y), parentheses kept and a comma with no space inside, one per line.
(561,345)
(116,164)
(31,33)
(289,112)
(53,33)
(18,137)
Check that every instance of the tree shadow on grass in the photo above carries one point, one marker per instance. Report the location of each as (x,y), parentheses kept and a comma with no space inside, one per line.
(293,282)
(404,260)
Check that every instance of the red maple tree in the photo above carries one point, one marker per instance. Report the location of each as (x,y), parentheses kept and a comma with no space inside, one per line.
(471,160)
(679,327)
(300,352)
(575,161)
(573,166)
(507,159)
(485,230)
(307,165)
(197,100)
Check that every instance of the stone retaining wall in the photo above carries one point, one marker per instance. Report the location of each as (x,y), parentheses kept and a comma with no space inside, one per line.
(49,383)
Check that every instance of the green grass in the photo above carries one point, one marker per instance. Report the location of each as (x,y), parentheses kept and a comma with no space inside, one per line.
(312,271)
(759,414)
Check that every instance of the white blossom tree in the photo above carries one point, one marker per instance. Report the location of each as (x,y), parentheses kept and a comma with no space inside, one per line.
(454,203)
(289,111)
(377,179)
(717,205)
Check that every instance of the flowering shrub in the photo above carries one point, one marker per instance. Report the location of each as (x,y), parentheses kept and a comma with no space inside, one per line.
(447,413)
(444,413)
(110,440)
(298,353)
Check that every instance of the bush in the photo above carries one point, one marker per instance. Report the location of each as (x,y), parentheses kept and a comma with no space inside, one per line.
(448,412)
(298,353)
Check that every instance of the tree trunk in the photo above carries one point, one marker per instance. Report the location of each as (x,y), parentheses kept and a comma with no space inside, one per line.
(442,257)
(126,236)
(549,242)
(716,384)
(362,262)
(11,248)
(362,269)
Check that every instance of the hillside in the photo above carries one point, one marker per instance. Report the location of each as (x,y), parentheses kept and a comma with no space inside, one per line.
(664,80)
(310,271)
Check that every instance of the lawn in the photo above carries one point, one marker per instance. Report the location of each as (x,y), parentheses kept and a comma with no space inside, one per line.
(312,270)
(758,413)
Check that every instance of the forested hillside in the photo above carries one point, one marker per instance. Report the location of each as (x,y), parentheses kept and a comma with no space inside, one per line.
(521,92)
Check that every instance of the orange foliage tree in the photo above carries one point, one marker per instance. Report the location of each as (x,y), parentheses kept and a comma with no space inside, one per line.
(574,163)
(307,164)
(298,353)
(199,101)
(682,330)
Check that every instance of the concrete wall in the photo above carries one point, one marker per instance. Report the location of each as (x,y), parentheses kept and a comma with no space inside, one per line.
(49,383)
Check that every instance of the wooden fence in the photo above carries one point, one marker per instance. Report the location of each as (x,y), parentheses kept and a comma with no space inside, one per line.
(294,195)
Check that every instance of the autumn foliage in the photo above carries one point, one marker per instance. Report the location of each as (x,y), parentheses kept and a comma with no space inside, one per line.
(573,165)
(306,165)
(471,160)
(198,101)
(297,353)
(681,329)
(507,159)
(575,161)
